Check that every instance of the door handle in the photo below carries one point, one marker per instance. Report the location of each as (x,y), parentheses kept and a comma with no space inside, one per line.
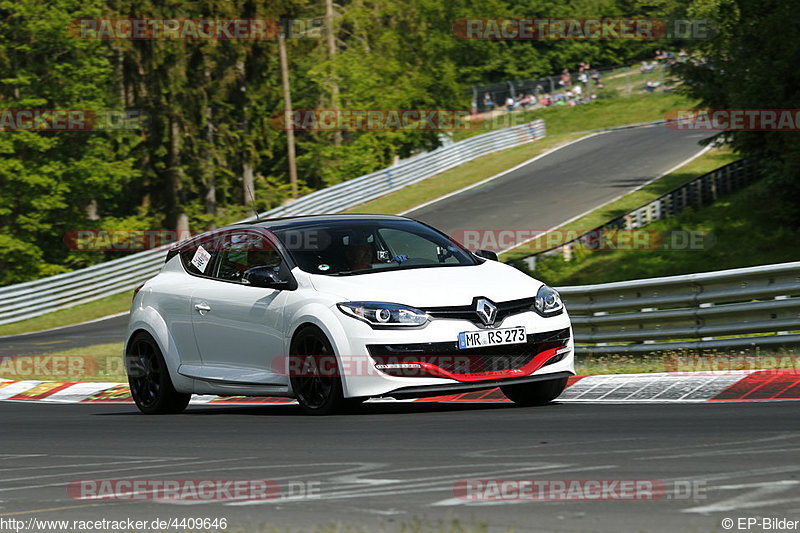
(202,308)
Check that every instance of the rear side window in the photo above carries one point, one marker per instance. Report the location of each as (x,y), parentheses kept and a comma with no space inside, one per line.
(197,259)
(242,250)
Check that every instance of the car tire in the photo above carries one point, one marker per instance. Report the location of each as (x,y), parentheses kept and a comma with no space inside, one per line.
(148,377)
(536,393)
(317,392)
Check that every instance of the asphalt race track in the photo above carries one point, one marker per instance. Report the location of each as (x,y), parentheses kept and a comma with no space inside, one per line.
(537,196)
(566,183)
(77,336)
(393,462)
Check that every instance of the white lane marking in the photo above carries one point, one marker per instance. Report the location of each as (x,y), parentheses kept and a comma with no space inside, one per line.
(415,483)
(115,470)
(505,453)
(180,472)
(740,451)
(762,495)
(107,317)
(117,462)
(573,219)
(418,485)
(380,512)
(501,174)
(704,449)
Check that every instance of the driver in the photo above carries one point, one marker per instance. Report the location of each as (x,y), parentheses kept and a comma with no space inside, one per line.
(359,252)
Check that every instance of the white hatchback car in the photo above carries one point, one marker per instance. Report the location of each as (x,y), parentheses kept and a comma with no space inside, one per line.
(332,310)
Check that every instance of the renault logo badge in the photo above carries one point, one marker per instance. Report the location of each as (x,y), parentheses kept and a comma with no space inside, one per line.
(487,311)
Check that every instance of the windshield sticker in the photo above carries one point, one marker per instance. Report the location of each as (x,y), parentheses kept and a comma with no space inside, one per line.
(200,259)
(323,267)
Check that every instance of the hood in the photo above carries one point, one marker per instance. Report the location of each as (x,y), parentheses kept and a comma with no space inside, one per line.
(432,287)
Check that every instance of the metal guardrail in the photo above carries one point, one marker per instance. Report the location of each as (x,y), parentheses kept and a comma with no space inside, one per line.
(701,191)
(35,298)
(739,308)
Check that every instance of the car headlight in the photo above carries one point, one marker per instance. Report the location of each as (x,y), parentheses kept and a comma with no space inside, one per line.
(548,302)
(386,315)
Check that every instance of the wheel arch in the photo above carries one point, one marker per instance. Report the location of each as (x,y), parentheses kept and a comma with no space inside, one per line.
(149,321)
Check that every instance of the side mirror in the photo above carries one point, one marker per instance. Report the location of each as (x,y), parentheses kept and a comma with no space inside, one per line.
(267,277)
(487,254)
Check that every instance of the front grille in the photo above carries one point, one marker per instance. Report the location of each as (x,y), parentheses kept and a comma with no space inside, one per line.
(468,312)
(449,358)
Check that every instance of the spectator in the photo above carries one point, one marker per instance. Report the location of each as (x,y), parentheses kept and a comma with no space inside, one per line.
(488,104)
(510,103)
(583,78)
(651,86)
(596,77)
(566,79)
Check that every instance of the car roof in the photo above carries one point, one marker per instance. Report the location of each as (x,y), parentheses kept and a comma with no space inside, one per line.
(287,222)
(298,221)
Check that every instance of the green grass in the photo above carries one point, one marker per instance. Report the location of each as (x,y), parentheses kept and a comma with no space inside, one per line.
(685,362)
(98,363)
(707,162)
(601,113)
(737,231)
(74,315)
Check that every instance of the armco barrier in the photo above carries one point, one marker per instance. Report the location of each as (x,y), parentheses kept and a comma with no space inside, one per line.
(728,309)
(701,191)
(34,298)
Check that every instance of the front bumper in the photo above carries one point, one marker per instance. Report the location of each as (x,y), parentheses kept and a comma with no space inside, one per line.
(437,390)
(435,365)
(446,360)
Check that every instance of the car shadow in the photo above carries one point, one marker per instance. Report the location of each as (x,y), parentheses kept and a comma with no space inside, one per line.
(368,409)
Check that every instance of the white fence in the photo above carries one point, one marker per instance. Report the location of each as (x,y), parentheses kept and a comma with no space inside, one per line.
(34,298)
(729,309)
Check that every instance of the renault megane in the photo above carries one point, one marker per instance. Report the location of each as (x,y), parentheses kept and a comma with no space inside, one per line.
(332,310)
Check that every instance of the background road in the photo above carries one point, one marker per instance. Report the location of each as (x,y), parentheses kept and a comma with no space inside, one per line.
(77,336)
(538,196)
(566,183)
(394,462)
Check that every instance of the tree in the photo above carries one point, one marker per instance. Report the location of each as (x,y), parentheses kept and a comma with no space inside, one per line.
(751,64)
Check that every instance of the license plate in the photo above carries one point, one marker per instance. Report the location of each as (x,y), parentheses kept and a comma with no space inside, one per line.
(491,337)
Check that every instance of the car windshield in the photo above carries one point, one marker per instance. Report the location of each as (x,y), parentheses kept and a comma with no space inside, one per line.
(347,247)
